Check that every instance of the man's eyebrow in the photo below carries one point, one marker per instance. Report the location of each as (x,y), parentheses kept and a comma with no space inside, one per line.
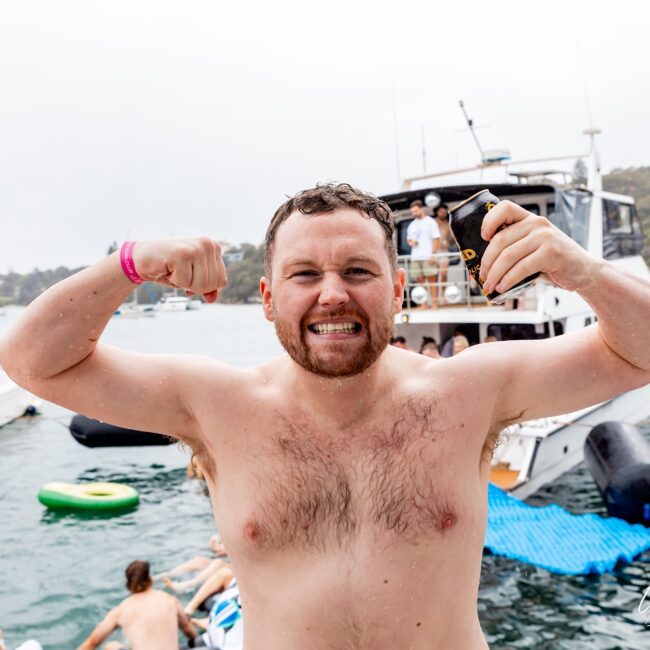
(362,259)
(355,259)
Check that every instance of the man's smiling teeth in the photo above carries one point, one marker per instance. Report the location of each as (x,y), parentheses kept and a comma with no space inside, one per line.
(335,328)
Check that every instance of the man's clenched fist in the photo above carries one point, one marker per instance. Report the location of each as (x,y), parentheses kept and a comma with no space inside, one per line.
(193,264)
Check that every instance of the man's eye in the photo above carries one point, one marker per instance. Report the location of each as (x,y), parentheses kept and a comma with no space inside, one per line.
(358,271)
(304,273)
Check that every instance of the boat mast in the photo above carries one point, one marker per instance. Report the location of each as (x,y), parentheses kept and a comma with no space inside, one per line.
(470,124)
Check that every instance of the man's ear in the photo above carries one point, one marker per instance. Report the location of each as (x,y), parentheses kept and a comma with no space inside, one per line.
(267,299)
(399,280)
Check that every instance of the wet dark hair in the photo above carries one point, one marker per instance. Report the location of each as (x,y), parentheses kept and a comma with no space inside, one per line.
(327,198)
(416,204)
(397,339)
(137,576)
(428,341)
(442,205)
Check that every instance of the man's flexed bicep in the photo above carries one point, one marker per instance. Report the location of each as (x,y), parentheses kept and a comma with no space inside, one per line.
(560,375)
(53,349)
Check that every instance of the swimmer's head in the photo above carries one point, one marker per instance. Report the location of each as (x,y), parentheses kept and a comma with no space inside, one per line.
(216,545)
(137,577)
(332,285)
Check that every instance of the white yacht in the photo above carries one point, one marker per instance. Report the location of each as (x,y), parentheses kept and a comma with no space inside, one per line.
(174,303)
(14,401)
(570,194)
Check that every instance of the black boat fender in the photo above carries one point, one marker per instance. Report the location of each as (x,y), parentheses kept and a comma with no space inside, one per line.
(618,457)
(93,433)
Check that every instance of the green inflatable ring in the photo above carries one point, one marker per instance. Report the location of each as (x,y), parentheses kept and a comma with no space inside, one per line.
(88,496)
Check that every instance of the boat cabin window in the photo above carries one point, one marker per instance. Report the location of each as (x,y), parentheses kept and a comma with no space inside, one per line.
(617,217)
(570,214)
(531,207)
(522,331)
(622,234)
(403,247)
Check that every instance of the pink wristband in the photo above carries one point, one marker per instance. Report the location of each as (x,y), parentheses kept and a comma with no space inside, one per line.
(126,259)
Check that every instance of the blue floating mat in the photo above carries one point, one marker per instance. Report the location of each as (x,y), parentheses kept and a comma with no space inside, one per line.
(554,539)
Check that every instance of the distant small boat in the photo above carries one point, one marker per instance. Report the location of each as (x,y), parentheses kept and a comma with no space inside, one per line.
(134,311)
(173,303)
(93,433)
(178,303)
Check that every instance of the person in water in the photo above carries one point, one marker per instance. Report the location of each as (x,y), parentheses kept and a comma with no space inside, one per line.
(349,477)
(149,618)
(204,566)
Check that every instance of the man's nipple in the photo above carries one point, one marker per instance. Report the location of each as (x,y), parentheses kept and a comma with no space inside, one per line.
(253,532)
(447,521)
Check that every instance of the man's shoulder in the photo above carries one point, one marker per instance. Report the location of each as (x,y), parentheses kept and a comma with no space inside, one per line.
(146,599)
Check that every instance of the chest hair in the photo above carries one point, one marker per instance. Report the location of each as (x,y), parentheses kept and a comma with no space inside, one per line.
(319,488)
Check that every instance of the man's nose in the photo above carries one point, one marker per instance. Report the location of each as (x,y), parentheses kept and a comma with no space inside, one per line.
(333,292)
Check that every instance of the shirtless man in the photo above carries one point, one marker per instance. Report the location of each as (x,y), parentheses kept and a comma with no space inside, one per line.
(148,618)
(348,477)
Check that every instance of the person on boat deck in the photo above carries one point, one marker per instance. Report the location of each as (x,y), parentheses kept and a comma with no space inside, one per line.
(429,348)
(206,567)
(447,243)
(448,346)
(460,343)
(345,452)
(148,618)
(423,236)
(399,342)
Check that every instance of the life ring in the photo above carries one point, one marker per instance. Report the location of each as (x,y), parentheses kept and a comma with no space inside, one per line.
(88,496)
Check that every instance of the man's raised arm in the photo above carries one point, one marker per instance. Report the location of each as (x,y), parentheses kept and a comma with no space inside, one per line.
(566,373)
(53,349)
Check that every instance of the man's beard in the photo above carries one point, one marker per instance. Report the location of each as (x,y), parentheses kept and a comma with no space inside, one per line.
(341,362)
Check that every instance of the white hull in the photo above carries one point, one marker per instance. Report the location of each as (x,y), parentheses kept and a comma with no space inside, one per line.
(552,447)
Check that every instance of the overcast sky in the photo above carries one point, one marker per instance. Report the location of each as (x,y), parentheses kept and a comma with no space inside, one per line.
(146,119)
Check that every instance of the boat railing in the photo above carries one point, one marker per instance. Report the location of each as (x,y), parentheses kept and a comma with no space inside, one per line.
(451,285)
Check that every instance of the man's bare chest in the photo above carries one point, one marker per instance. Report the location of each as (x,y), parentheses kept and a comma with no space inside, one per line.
(314,486)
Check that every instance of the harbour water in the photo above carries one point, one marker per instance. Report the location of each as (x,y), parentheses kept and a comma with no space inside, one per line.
(60,573)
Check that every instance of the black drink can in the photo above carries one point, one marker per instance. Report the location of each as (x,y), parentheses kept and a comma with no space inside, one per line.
(465,222)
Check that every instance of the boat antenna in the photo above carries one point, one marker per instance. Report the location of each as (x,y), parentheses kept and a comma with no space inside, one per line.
(470,124)
(424,153)
(585,90)
(399,174)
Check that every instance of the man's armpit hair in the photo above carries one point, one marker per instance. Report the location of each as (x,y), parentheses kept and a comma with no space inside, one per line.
(197,451)
(498,435)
